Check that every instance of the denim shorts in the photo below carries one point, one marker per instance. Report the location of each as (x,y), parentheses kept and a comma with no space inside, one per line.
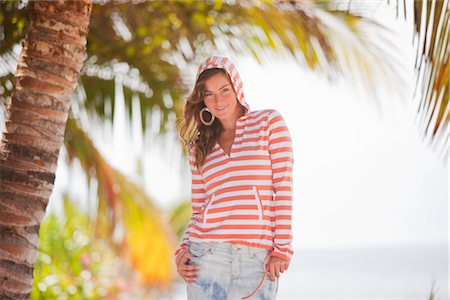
(231,272)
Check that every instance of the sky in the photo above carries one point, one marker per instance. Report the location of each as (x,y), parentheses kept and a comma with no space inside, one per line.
(362,174)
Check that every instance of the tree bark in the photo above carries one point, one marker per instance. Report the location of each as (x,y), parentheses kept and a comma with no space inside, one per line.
(47,73)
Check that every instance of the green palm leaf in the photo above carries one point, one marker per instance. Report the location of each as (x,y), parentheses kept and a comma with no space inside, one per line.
(145,239)
(146,47)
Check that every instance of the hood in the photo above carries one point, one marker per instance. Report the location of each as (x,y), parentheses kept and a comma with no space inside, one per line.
(225,63)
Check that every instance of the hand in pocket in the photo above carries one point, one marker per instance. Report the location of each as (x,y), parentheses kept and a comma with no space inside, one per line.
(186,269)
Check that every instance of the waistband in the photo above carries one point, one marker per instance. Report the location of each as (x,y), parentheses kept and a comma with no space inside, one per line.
(227,247)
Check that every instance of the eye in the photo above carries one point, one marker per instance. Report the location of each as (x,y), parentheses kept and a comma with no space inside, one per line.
(225,90)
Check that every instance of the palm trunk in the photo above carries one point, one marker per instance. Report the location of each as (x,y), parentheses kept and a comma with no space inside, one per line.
(47,73)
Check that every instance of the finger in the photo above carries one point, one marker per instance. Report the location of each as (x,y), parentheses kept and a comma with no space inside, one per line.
(190,274)
(194,268)
(189,267)
(183,259)
(182,269)
(185,262)
(189,279)
(272,272)
(277,270)
(187,256)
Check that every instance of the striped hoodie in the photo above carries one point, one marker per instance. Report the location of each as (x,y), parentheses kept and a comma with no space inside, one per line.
(244,197)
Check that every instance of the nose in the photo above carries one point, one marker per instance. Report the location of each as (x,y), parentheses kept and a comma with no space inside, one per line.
(217,98)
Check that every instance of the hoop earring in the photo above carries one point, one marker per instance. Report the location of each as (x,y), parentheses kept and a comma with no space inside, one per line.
(201,117)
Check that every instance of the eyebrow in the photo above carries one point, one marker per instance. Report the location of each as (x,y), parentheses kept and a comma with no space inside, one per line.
(227,84)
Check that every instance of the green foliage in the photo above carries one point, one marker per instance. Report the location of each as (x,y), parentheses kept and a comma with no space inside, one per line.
(180,217)
(12,24)
(146,47)
(71,264)
(125,208)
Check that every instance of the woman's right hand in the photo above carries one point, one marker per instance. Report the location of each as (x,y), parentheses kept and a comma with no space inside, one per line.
(187,271)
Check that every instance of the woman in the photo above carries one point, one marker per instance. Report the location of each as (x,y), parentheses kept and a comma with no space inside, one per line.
(239,237)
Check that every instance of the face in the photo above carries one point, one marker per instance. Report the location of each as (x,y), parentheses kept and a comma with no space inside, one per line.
(220,97)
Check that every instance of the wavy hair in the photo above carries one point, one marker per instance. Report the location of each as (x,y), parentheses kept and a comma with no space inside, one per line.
(192,132)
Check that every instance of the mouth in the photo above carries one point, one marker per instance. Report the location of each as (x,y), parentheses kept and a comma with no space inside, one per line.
(221,108)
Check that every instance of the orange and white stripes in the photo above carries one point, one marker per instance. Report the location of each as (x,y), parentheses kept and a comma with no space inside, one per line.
(244,197)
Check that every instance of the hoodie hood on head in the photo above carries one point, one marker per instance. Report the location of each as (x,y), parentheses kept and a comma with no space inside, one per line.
(226,64)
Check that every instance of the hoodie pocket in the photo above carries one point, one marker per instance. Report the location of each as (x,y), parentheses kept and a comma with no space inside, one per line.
(206,208)
(258,203)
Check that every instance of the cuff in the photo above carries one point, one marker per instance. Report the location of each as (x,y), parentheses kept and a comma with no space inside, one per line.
(284,251)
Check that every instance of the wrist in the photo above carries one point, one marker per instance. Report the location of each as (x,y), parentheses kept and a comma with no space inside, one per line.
(281,255)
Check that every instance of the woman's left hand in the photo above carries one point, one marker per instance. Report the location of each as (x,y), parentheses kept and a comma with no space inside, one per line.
(276,266)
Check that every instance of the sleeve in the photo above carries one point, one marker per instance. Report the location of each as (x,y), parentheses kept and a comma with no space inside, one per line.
(198,195)
(281,155)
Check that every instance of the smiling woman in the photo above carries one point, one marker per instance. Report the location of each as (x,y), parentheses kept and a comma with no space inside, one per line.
(219,95)
(221,103)
(239,237)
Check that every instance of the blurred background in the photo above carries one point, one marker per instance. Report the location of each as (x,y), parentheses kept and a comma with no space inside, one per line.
(363,87)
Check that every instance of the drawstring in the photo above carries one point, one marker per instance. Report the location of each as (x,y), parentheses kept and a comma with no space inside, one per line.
(262,279)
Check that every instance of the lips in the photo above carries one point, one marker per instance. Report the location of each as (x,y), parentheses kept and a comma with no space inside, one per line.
(221,108)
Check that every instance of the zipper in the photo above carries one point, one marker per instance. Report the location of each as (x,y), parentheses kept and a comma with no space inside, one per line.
(258,203)
(206,207)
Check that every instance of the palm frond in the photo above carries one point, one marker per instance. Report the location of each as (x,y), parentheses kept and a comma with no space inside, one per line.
(432,70)
(126,216)
(431,22)
(150,46)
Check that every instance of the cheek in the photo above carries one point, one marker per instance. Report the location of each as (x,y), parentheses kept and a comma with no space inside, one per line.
(208,102)
(231,99)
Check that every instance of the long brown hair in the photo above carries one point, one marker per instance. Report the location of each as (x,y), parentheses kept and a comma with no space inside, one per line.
(192,132)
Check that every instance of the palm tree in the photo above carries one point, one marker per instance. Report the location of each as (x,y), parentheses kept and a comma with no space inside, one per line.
(47,73)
